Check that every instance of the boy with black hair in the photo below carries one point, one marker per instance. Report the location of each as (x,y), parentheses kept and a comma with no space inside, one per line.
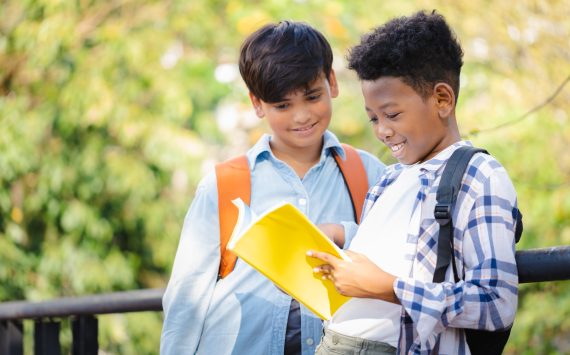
(288,70)
(409,70)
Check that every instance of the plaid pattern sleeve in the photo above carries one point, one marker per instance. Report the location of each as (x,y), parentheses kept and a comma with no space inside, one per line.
(390,175)
(486,295)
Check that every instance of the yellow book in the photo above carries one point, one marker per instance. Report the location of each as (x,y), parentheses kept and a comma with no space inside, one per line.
(276,243)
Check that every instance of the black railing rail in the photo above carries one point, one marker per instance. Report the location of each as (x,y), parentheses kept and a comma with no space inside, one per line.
(534,265)
(116,302)
(544,264)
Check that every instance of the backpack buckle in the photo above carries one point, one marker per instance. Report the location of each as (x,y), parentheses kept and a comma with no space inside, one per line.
(442,213)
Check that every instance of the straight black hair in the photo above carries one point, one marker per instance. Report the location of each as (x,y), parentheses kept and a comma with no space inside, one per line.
(278,59)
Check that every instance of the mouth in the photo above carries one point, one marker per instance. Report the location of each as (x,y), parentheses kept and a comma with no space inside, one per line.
(397,149)
(305,131)
(305,128)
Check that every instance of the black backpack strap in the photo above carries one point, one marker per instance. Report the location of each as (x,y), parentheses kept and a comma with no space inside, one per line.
(447,192)
(518,226)
(480,342)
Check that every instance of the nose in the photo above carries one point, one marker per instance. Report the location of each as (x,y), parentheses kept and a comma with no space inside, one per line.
(383,130)
(302,115)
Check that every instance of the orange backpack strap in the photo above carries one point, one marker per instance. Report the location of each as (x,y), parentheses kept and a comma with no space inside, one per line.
(233,181)
(355,177)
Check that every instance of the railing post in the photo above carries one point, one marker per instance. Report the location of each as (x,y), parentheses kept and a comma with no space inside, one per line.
(84,329)
(46,337)
(11,342)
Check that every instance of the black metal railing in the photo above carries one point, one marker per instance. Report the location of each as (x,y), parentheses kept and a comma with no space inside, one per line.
(535,265)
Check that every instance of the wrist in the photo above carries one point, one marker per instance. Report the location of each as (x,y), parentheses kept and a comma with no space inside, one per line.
(385,288)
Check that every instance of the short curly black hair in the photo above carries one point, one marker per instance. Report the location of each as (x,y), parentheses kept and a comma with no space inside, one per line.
(421,49)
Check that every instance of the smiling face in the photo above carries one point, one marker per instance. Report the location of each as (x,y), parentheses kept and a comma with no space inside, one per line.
(299,119)
(414,128)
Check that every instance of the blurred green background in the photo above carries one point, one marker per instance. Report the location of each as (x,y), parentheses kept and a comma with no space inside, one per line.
(111,111)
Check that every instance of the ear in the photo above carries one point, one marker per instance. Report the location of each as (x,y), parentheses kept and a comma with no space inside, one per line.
(256,102)
(444,99)
(333,84)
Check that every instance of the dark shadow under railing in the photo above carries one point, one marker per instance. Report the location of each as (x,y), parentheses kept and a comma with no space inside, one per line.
(535,265)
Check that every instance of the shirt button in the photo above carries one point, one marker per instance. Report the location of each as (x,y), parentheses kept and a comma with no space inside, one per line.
(302,201)
(310,341)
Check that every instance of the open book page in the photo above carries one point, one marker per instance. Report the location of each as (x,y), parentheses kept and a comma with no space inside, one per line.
(245,218)
(276,243)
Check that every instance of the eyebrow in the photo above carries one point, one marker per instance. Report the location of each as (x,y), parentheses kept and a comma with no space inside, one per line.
(307,92)
(387,104)
(312,90)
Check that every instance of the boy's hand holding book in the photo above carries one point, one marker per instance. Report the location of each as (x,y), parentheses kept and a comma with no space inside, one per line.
(359,277)
(334,231)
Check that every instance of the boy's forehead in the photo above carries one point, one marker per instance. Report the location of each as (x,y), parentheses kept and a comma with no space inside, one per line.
(387,90)
(310,86)
(385,84)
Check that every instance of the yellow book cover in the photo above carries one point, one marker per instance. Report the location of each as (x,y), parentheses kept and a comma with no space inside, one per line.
(276,243)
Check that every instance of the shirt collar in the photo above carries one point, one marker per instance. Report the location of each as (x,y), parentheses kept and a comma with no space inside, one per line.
(331,143)
(261,149)
(435,163)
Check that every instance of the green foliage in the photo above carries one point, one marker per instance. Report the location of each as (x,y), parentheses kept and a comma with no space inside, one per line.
(111,111)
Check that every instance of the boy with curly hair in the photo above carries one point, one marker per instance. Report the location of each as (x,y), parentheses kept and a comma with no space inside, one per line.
(409,70)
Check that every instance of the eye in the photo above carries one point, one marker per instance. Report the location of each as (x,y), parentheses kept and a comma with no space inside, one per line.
(314,97)
(373,119)
(392,116)
(281,106)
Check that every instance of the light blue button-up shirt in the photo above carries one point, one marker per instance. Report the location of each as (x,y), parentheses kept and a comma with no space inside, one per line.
(245,313)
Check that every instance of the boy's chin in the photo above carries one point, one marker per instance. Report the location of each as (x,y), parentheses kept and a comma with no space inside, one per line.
(408,161)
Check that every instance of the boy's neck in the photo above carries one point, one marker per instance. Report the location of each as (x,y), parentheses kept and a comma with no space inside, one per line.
(300,160)
(452,136)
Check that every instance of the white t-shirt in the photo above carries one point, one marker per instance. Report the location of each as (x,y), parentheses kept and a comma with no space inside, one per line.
(382,238)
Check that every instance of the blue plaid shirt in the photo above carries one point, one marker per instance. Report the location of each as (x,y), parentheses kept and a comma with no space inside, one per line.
(433,314)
